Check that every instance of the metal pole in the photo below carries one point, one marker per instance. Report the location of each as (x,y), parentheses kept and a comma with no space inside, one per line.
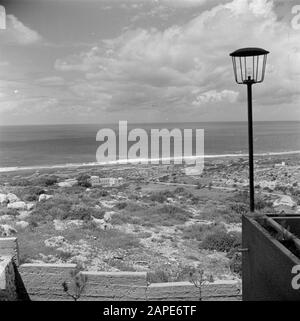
(250,138)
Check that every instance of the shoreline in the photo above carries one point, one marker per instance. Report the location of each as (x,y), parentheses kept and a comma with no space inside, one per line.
(137,161)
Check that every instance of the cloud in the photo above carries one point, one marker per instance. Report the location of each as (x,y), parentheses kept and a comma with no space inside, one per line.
(182,3)
(182,71)
(189,65)
(212,96)
(17,33)
(51,81)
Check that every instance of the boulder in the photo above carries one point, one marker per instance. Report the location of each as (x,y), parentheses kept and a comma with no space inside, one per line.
(74,223)
(285,201)
(22,224)
(63,225)
(3,198)
(7,230)
(102,224)
(17,205)
(54,241)
(23,215)
(5,218)
(30,206)
(68,183)
(44,197)
(58,225)
(12,198)
(107,216)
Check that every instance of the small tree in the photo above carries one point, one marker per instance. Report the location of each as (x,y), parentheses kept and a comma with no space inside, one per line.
(78,284)
(199,279)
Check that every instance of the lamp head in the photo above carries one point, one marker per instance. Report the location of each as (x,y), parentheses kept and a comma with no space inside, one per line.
(249,65)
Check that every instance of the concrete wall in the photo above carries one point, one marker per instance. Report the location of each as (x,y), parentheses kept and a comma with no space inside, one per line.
(267,266)
(7,279)
(44,282)
(185,291)
(9,247)
(39,282)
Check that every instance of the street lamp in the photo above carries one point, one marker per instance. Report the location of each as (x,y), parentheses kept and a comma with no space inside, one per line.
(249,66)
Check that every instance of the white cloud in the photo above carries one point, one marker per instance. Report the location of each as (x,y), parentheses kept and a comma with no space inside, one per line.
(212,96)
(184,69)
(189,64)
(17,33)
(182,3)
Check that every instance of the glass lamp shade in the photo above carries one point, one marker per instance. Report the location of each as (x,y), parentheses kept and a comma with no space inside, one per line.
(249,65)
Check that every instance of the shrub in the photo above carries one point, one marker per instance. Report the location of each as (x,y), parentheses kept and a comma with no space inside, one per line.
(31,198)
(8,211)
(121,205)
(64,207)
(83,180)
(158,197)
(83,212)
(65,256)
(97,193)
(221,241)
(261,204)
(20,182)
(158,276)
(200,231)
(45,180)
(239,208)
(236,263)
(165,215)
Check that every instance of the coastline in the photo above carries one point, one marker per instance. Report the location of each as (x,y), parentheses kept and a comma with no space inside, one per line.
(137,161)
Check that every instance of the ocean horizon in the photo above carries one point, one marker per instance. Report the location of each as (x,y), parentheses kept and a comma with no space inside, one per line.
(40,146)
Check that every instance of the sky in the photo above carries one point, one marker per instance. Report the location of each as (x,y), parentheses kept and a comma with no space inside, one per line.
(100,61)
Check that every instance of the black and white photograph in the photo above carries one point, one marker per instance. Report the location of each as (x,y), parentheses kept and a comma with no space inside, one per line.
(149,152)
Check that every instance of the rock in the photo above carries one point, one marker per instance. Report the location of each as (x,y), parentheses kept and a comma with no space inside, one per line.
(79,259)
(74,223)
(63,225)
(44,197)
(17,205)
(54,241)
(107,216)
(102,224)
(3,199)
(68,183)
(7,230)
(22,224)
(23,215)
(12,198)
(5,218)
(58,225)
(285,201)
(30,206)
(267,184)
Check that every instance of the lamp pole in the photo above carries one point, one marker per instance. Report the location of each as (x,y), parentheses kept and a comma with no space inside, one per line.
(250,143)
(249,69)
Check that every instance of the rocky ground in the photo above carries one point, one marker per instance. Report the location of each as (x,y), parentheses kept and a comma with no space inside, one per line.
(148,218)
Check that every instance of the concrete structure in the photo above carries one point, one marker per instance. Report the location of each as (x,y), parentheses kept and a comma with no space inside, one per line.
(267,264)
(44,282)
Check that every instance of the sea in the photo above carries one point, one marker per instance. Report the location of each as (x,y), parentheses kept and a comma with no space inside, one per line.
(47,146)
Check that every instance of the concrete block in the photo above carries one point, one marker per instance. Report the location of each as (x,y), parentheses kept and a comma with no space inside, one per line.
(9,246)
